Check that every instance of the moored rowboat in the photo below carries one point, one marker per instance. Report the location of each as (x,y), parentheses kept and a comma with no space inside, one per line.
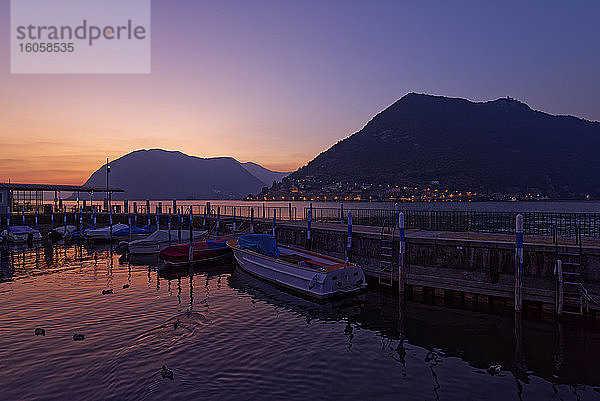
(317,276)
(203,251)
(161,239)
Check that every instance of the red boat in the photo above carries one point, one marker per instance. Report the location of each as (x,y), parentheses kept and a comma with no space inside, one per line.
(178,255)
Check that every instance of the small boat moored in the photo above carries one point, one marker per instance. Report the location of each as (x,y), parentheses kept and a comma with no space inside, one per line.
(21,234)
(203,251)
(309,273)
(161,239)
(119,231)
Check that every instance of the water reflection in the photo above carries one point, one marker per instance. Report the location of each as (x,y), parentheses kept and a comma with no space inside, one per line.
(413,338)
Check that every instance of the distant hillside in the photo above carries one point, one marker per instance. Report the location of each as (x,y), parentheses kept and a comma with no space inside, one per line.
(160,174)
(263,174)
(501,145)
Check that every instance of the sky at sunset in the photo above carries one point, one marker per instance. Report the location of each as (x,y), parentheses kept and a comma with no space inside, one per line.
(278,82)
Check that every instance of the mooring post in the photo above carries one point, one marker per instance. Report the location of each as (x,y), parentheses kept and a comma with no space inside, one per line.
(519,264)
(159,207)
(401,251)
(135,214)
(157,218)
(311,210)
(111,226)
(36,216)
(341,213)
(148,212)
(8,215)
(349,243)
(560,293)
(179,226)
(234,225)
(94,213)
(204,218)
(308,221)
(23,213)
(51,217)
(169,226)
(80,220)
(264,210)
(174,205)
(65,219)
(130,231)
(218,219)
(191,251)
(274,220)
(252,221)
(396,213)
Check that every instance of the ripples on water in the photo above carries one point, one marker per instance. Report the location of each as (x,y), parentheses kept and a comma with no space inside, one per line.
(230,336)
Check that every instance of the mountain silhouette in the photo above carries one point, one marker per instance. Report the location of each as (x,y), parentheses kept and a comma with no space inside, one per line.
(160,174)
(496,146)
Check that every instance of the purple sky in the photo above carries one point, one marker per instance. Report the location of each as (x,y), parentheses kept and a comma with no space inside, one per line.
(277,82)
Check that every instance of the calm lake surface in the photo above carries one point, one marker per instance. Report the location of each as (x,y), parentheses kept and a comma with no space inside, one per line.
(239,338)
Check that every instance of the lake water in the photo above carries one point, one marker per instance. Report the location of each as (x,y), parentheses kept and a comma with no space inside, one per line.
(239,338)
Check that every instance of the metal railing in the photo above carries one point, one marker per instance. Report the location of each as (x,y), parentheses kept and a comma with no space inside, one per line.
(535,223)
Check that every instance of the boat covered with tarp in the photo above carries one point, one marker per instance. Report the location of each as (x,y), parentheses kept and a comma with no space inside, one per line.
(20,234)
(202,251)
(119,231)
(161,239)
(309,273)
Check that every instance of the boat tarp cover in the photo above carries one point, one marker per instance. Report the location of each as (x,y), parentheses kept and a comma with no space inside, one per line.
(18,230)
(163,236)
(261,243)
(134,230)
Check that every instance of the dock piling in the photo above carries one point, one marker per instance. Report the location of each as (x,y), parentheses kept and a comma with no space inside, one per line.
(349,243)
(401,251)
(559,293)
(341,213)
(308,221)
(191,250)
(252,221)
(519,263)
(274,220)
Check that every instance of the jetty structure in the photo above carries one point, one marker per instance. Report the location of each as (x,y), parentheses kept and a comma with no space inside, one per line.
(530,262)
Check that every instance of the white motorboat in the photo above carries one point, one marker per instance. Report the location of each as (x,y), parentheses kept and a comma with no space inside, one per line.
(309,273)
(161,239)
(21,234)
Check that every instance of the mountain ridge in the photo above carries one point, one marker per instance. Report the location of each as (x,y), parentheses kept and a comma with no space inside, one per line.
(500,145)
(160,174)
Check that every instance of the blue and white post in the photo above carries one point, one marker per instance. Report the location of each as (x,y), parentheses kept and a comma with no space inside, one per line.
(130,230)
(252,221)
(80,219)
(157,218)
(341,213)
(218,218)
(179,226)
(148,212)
(169,226)
(401,252)
(111,225)
(349,242)
(308,223)
(274,220)
(65,219)
(94,212)
(191,251)
(135,214)
(51,217)
(234,225)
(23,213)
(8,215)
(204,219)
(36,216)
(519,264)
